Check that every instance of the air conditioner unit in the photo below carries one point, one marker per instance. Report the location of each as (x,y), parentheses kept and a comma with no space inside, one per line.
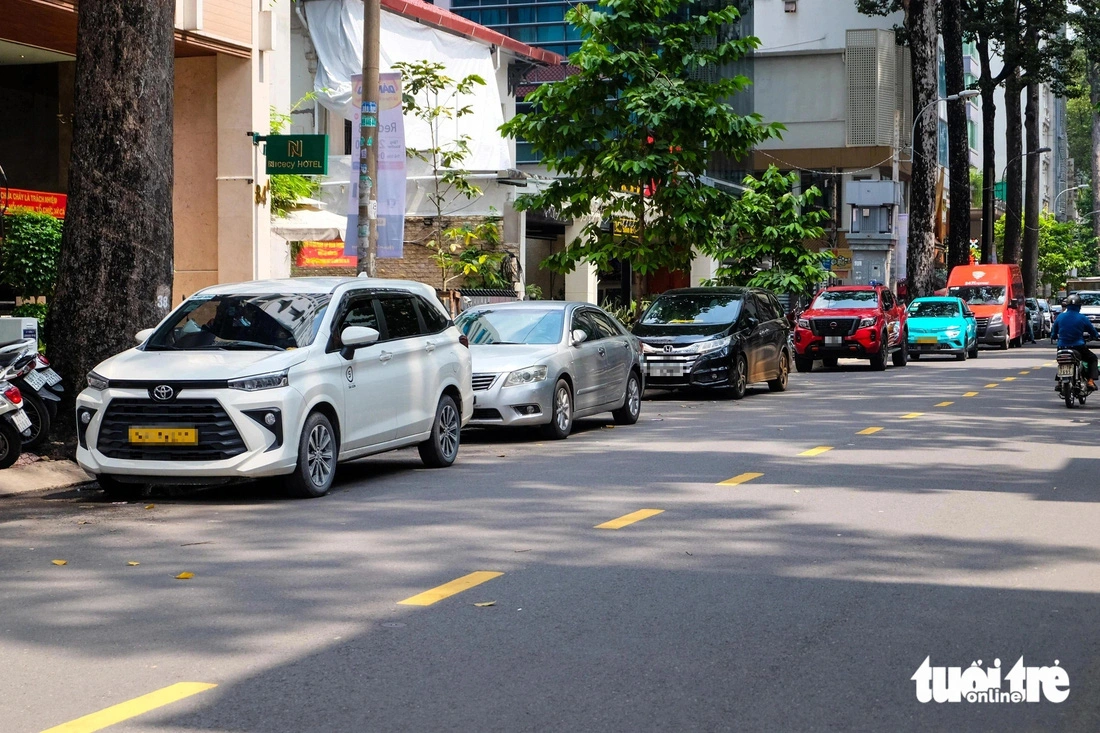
(189,15)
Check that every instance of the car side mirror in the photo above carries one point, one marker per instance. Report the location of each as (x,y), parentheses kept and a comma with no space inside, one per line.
(578,336)
(144,335)
(752,322)
(354,337)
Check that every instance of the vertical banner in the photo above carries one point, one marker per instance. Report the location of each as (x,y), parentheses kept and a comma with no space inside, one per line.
(389,126)
(391,168)
(901,254)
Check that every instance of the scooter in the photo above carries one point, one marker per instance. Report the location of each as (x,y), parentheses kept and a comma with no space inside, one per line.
(40,387)
(1071,380)
(15,426)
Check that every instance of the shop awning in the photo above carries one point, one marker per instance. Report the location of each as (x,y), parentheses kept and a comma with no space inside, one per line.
(310,225)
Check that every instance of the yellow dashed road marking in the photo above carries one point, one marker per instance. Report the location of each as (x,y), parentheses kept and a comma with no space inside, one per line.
(1009,379)
(944,404)
(868,431)
(447,590)
(971,394)
(132,708)
(816,451)
(911,415)
(630,519)
(991,385)
(740,479)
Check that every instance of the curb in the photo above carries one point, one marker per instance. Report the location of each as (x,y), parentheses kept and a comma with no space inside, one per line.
(42,474)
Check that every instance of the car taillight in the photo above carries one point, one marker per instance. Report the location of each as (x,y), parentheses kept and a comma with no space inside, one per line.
(13,395)
(43,361)
(463,340)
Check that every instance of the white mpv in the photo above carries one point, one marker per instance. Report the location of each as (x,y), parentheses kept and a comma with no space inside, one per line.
(281,377)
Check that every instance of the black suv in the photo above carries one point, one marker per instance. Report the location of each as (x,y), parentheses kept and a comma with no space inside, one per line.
(715,337)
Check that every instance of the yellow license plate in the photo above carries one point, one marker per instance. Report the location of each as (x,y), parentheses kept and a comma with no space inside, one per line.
(927,340)
(165,436)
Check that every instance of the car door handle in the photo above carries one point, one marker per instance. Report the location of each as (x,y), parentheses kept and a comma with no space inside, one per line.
(429,347)
(602,351)
(385,356)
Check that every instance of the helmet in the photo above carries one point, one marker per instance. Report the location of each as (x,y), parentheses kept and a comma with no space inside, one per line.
(1073,302)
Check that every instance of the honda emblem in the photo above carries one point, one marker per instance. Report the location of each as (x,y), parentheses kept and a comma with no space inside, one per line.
(668,349)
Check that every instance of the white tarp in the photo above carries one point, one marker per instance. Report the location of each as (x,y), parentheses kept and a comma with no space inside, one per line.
(336,29)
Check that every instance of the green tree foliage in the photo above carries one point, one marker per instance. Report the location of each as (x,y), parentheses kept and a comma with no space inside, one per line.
(1063,246)
(766,234)
(473,251)
(287,189)
(28,258)
(640,113)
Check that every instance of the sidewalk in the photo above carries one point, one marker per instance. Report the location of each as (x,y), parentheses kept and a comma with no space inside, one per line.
(31,473)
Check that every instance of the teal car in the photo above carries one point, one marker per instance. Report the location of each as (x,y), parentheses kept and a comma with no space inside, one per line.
(942,326)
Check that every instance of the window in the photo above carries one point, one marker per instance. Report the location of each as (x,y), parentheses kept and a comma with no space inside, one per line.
(582,322)
(243,322)
(603,323)
(361,312)
(763,307)
(779,311)
(400,316)
(887,299)
(434,321)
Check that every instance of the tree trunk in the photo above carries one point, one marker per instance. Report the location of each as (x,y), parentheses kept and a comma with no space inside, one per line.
(1014,174)
(1029,263)
(989,153)
(920,22)
(958,135)
(1094,159)
(115,269)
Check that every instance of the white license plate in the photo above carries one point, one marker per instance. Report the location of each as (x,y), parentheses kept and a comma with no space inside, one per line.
(1065,370)
(35,380)
(834,340)
(661,370)
(20,420)
(51,376)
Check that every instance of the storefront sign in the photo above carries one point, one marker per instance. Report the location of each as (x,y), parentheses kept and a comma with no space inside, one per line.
(39,201)
(323,254)
(305,155)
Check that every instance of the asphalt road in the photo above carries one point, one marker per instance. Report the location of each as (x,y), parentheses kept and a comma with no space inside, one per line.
(801,599)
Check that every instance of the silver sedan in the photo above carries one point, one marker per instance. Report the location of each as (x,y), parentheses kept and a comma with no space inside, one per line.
(548,363)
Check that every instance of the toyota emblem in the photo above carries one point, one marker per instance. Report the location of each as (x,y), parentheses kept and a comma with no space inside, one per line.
(163,393)
(668,349)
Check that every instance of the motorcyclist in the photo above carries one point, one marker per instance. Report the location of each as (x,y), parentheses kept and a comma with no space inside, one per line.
(1072,331)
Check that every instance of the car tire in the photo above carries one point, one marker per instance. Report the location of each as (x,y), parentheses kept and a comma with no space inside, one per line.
(914,357)
(901,356)
(803,364)
(973,353)
(317,454)
(878,360)
(39,415)
(441,449)
(561,413)
(1004,344)
(116,490)
(830,362)
(631,410)
(962,356)
(779,384)
(739,380)
(11,444)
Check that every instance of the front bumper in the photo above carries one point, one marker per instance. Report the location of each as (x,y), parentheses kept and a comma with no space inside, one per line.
(267,451)
(994,335)
(861,345)
(523,404)
(682,369)
(942,345)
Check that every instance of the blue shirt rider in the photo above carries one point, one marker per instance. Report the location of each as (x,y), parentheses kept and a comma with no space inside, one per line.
(1072,331)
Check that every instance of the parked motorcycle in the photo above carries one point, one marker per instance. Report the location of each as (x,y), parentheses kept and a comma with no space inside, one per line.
(40,387)
(1072,380)
(15,426)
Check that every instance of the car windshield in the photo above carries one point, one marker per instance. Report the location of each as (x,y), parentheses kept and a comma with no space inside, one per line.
(837,299)
(272,322)
(933,309)
(694,308)
(1089,298)
(979,294)
(512,326)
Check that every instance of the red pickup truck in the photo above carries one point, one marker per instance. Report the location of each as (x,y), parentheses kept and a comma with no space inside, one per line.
(851,321)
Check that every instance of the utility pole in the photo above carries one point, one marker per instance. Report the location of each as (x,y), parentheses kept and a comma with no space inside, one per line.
(367,246)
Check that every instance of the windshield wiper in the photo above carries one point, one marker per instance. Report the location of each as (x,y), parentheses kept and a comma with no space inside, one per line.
(244,346)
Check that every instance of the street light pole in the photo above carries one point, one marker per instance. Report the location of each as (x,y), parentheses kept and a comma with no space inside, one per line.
(987,226)
(367,244)
(964,94)
(1061,193)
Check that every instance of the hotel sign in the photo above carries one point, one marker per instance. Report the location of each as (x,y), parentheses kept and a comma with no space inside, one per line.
(305,155)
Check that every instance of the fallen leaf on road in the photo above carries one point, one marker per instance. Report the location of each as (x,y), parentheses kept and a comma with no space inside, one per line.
(797,491)
(150,506)
(486,604)
(502,455)
(192,544)
(527,550)
(185,576)
(133,564)
(60,562)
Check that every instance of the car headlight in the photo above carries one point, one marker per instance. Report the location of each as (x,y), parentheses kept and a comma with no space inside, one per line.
(647,349)
(270,380)
(705,347)
(527,375)
(803,322)
(867,322)
(953,332)
(995,319)
(95,381)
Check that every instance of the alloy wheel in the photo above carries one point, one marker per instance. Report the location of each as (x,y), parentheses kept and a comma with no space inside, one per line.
(742,376)
(320,455)
(448,431)
(563,412)
(633,396)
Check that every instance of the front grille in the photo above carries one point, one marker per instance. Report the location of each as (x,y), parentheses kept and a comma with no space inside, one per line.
(833,326)
(218,437)
(483,382)
(983,324)
(486,413)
